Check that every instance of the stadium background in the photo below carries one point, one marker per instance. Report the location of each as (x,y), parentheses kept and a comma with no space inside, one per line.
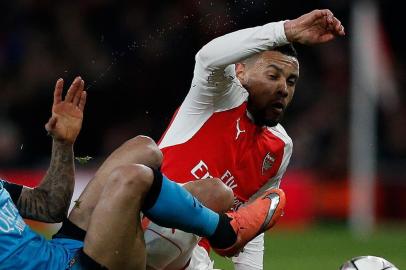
(137,60)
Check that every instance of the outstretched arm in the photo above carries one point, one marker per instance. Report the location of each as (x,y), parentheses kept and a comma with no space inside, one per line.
(49,202)
(236,46)
(317,26)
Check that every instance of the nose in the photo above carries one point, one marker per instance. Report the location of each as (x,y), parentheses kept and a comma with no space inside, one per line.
(282,89)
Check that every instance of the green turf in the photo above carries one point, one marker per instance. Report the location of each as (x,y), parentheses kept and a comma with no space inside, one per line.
(327,247)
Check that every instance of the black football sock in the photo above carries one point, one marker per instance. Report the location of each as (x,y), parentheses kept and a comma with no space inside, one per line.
(154,192)
(224,235)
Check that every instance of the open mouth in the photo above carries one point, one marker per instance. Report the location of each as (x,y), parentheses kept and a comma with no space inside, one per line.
(278,106)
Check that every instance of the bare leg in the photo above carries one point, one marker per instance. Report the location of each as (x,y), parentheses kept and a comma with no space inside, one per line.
(110,205)
(114,236)
(140,150)
(212,193)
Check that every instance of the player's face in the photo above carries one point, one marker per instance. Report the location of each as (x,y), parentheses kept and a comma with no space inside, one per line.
(271,82)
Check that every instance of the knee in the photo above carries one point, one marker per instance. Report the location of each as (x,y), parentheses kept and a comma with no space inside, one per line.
(222,194)
(147,147)
(213,193)
(133,179)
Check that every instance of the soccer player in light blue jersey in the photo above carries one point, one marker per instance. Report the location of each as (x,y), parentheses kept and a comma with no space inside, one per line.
(104,229)
(20,247)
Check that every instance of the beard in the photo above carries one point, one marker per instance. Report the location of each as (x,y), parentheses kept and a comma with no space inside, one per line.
(261,120)
(264,115)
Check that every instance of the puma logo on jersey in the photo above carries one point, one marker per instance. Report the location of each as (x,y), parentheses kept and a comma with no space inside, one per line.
(239,131)
(267,162)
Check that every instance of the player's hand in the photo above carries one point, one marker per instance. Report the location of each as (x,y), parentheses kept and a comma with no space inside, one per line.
(314,27)
(67,115)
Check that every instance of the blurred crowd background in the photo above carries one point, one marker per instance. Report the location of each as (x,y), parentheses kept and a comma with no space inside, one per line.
(137,59)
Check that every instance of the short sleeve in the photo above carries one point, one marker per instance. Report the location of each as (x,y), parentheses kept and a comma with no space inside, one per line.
(13,189)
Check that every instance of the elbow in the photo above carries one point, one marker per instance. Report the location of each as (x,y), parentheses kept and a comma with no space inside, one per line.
(200,56)
(57,210)
(204,58)
(38,205)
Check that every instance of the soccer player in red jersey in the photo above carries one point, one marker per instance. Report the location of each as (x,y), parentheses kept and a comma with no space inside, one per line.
(228,127)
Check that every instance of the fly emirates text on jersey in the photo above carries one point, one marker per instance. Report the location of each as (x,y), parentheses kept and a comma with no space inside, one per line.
(201,171)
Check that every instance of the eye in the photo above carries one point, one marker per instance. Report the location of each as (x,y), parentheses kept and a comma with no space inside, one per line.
(273,77)
(291,82)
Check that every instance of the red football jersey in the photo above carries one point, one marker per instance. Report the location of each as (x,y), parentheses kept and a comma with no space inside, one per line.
(231,147)
(213,135)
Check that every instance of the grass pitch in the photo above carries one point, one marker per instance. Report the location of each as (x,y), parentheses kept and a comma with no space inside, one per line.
(326,247)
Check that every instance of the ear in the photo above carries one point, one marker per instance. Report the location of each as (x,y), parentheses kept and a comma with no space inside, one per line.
(240,72)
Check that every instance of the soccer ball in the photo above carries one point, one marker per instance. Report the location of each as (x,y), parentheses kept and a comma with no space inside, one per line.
(368,263)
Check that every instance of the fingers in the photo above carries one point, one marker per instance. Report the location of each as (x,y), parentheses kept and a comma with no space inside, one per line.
(327,12)
(320,13)
(340,30)
(336,26)
(326,18)
(82,101)
(78,93)
(58,91)
(75,86)
(330,22)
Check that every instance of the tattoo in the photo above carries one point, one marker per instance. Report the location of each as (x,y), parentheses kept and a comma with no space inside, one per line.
(77,204)
(50,201)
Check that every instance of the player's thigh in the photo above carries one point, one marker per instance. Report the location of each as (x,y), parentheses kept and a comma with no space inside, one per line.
(168,248)
(138,150)
(114,236)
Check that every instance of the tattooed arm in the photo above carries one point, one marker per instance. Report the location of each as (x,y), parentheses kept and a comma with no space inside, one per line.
(49,202)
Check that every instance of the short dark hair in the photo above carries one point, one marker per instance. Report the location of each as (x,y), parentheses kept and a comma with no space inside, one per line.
(287,49)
